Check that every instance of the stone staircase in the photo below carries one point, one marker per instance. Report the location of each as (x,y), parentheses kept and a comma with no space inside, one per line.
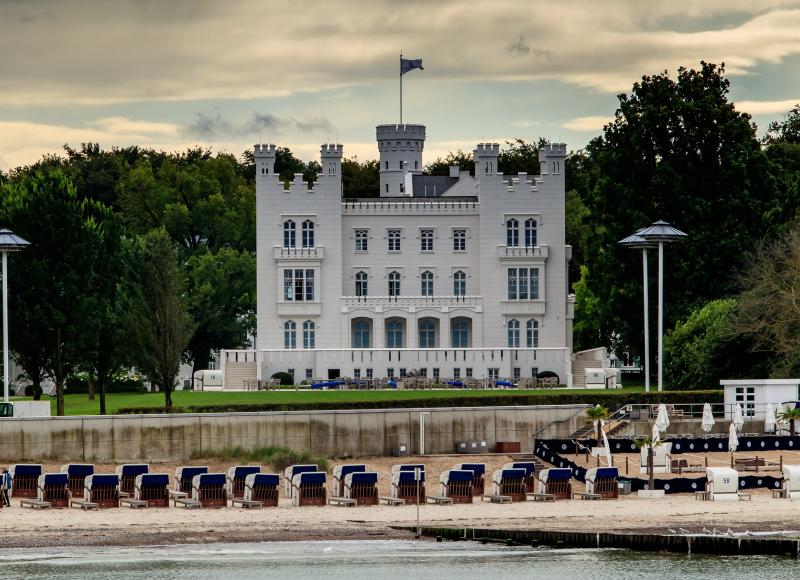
(587,359)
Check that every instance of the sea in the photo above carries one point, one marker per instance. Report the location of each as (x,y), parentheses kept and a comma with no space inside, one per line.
(377,560)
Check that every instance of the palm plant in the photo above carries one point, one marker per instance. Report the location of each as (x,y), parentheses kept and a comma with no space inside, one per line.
(596,415)
(650,444)
(790,415)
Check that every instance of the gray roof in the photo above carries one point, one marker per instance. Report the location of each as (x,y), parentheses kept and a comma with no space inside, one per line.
(432,185)
(10,241)
(661,231)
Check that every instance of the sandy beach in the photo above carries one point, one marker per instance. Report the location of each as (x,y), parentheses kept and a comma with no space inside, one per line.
(124,526)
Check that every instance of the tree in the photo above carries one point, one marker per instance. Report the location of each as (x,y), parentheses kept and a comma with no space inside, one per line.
(464,161)
(520,156)
(649,444)
(157,324)
(360,179)
(597,414)
(786,131)
(677,150)
(789,416)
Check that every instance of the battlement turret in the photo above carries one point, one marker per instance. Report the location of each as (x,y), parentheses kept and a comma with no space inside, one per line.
(400,148)
(264,154)
(486,155)
(331,158)
(551,158)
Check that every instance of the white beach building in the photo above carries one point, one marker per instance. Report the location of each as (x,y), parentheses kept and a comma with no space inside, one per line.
(444,276)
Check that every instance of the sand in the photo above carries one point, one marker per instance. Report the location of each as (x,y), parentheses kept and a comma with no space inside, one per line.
(124,526)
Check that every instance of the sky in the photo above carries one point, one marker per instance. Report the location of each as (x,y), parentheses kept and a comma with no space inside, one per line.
(173,74)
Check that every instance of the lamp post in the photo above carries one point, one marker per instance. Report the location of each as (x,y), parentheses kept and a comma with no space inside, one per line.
(661,233)
(8,243)
(636,242)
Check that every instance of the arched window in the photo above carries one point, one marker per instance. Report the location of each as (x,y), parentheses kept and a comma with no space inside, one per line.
(530,233)
(513,333)
(427,334)
(361,334)
(512,233)
(460,333)
(361,240)
(394,334)
(309,332)
(289,234)
(308,234)
(361,284)
(532,334)
(459,283)
(289,334)
(427,283)
(394,284)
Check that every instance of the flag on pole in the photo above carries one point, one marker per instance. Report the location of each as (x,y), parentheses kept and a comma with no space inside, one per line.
(409,64)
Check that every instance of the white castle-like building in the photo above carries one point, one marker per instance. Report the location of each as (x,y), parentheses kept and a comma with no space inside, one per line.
(443,276)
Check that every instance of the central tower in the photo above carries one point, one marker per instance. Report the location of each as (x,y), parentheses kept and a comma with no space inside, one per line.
(400,149)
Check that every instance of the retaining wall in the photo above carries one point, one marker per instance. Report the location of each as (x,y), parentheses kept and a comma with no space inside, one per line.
(356,433)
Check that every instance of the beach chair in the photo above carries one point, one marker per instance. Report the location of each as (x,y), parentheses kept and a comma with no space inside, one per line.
(662,459)
(152,488)
(184,476)
(102,490)
(210,490)
(340,472)
(262,487)
(722,484)
(308,488)
(557,482)
(361,486)
(603,481)
(77,472)
(291,471)
(510,481)
(52,488)
(479,476)
(791,481)
(127,476)
(24,479)
(404,483)
(457,485)
(236,477)
(530,470)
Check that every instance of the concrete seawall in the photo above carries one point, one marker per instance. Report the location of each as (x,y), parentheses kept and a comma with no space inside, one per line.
(357,433)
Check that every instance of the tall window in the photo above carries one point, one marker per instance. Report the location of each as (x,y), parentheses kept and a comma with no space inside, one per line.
(426,240)
(289,234)
(298,285)
(394,284)
(460,333)
(361,240)
(513,333)
(289,334)
(427,283)
(361,334)
(361,284)
(523,283)
(512,233)
(309,331)
(459,283)
(308,234)
(530,233)
(459,240)
(532,332)
(427,334)
(394,334)
(394,240)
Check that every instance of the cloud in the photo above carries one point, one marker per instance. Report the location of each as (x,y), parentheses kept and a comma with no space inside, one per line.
(207,126)
(591,123)
(525,124)
(767,107)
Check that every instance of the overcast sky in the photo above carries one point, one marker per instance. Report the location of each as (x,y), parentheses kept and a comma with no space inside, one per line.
(178,73)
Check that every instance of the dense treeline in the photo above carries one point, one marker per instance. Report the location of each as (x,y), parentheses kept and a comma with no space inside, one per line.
(141,257)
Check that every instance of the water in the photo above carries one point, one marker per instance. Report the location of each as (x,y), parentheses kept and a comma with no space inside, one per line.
(376,560)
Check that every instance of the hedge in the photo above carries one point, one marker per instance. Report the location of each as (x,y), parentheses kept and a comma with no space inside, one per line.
(610,400)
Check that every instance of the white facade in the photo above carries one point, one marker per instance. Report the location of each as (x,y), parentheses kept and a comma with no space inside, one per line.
(754,395)
(459,274)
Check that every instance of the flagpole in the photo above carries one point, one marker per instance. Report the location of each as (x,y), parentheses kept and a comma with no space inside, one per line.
(401,88)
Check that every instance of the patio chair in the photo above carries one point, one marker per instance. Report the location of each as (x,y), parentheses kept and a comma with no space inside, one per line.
(291,471)
(101,489)
(340,472)
(603,481)
(24,479)
(262,487)
(530,470)
(510,481)
(308,488)
(236,477)
(479,476)
(127,476)
(361,486)
(404,483)
(457,485)
(78,472)
(556,481)
(152,488)
(185,475)
(52,488)
(209,489)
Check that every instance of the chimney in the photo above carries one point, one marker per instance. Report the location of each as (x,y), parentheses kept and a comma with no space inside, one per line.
(455,171)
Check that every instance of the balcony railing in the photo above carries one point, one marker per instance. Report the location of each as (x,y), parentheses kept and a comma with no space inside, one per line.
(418,301)
(523,252)
(317,253)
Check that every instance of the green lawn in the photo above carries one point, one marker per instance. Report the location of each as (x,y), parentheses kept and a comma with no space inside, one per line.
(81,405)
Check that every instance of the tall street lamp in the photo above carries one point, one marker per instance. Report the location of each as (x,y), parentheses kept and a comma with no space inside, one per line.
(636,242)
(661,233)
(8,243)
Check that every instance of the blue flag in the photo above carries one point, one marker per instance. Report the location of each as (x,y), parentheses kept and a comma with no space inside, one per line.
(409,64)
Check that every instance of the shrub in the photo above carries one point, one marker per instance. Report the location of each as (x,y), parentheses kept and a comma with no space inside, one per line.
(79,384)
(285,378)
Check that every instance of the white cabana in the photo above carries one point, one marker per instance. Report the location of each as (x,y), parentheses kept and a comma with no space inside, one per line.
(708,418)
(738,417)
(733,439)
(723,484)
(769,419)
(662,419)
(791,481)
